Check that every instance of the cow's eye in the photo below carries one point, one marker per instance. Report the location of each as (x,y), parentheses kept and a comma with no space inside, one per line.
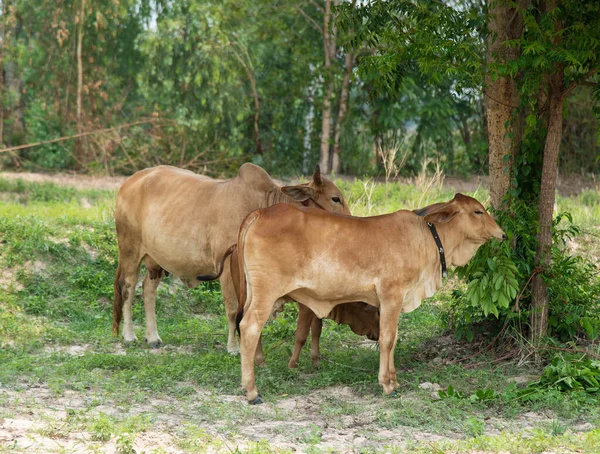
(478,212)
(336,199)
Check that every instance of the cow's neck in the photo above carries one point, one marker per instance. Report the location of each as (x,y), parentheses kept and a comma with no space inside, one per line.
(440,247)
(458,249)
(276,196)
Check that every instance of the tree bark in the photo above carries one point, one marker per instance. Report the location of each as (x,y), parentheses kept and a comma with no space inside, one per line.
(249,69)
(502,98)
(2,45)
(540,301)
(329,46)
(13,83)
(555,97)
(344,96)
(80,141)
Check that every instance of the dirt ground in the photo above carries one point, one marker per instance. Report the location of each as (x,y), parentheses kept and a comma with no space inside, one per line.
(567,185)
(40,422)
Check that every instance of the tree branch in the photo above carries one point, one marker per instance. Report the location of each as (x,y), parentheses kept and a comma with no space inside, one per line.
(310,20)
(498,101)
(316,5)
(60,139)
(584,81)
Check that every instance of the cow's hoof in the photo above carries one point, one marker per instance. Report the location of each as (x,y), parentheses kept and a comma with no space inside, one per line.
(233,351)
(393,394)
(156,344)
(131,343)
(257,401)
(261,364)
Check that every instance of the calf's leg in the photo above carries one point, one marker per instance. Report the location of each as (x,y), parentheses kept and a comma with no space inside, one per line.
(388,331)
(255,318)
(304,321)
(260,354)
(315,328)
(230,300)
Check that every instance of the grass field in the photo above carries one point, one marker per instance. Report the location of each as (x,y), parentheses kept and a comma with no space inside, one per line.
(68,385)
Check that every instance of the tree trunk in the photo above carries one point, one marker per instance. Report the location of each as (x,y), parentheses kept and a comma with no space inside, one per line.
(337,149)
(80,142)
(249,69)
(13,83)
(539,298)
(308,126)
(329,46)
(2,45)
(502,98)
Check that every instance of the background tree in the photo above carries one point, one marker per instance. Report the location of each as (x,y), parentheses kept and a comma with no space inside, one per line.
(225,82)
(538,53)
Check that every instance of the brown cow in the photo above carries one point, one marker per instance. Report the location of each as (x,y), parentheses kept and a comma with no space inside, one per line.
(180,222)
(360,317)
(321,259)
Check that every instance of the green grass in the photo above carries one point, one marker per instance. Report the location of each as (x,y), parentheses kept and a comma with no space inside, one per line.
(58,246)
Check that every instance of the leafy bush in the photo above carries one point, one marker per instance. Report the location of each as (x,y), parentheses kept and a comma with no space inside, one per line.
(499,272)
(43,124)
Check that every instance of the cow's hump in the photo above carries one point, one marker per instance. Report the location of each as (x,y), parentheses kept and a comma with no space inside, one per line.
(256,177)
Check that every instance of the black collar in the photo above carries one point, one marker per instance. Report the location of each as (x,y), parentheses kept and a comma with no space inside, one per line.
(306,203)
(438,243)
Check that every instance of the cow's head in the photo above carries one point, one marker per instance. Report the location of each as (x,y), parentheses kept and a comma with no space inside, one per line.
(470,225)
(320,192)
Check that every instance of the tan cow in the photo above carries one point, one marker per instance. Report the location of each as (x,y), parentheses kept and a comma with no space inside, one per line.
(321,259)
(179,222)
(360,317)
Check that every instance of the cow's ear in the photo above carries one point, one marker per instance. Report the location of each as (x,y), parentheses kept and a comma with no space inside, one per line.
(426,210)
(443,214)
(317,175)
(299,193)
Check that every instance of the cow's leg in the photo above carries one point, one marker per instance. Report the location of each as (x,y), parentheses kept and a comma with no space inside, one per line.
(388,331)
(231,307)
(255,318)
(150,284)
(130,271)
(303,328)
(391,366)
(315,328)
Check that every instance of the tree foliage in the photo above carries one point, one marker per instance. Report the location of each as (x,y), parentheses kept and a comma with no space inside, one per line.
(225,82)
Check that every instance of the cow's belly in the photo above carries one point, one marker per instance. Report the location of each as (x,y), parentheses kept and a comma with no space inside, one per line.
(186,256)
(323,302)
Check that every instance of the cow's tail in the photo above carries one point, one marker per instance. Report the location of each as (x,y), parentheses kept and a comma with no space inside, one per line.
(245,293)
(210,277)
(117,302)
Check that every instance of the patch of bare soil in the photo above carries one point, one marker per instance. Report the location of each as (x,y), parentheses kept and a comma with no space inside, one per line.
(567,185)
(36,420)
(8,278)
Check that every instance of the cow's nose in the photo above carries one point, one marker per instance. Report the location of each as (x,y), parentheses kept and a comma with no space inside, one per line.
(504,237)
